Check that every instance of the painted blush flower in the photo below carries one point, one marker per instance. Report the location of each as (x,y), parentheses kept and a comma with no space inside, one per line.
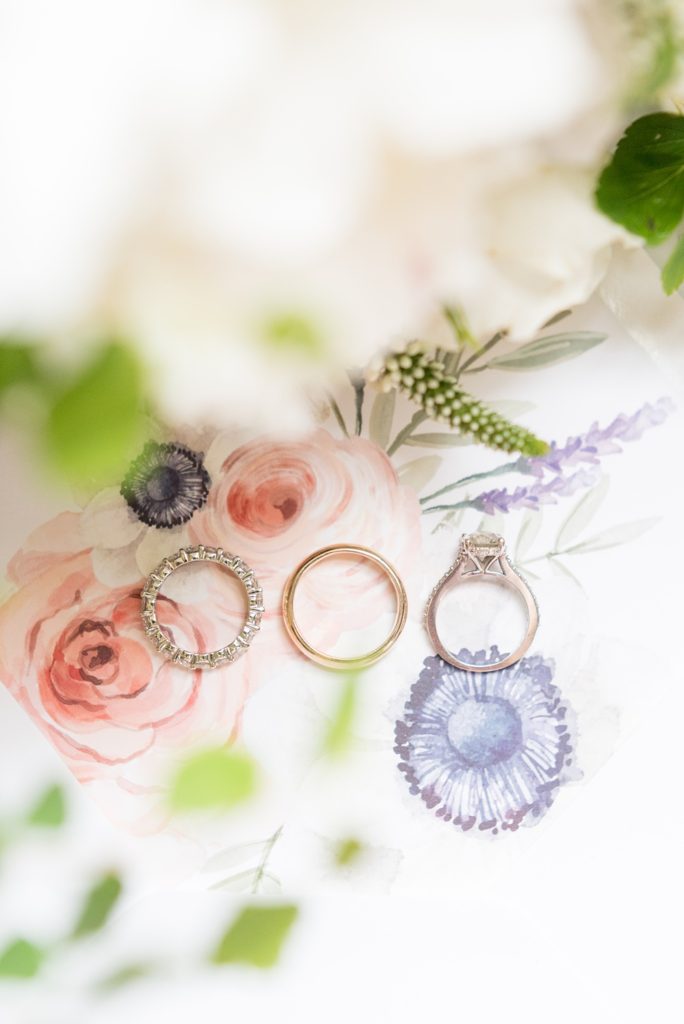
(486,751)
(275,502)
(74,654)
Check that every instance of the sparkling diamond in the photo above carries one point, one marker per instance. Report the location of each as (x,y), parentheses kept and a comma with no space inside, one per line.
(484,544)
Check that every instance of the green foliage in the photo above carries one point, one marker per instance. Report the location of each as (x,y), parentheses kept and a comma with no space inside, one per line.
(381,417)
(642,187)
(21,959)
(347,851)
(554,348)
(125,975)
(50,810)
(95,425)
(673,271)
(294,335)
(441,398)
(256,936)
(214,779)
(459,325)
(98,905)
(18,363)
(338,734)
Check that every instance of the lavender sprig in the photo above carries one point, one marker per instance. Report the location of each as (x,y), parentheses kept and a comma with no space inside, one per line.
(584,451)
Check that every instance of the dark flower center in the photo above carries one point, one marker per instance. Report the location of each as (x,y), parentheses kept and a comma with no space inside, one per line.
(484,732)
(93,658)
(163,483)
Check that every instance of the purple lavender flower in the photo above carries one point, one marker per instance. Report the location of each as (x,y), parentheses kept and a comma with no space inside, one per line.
(584,451)
(486,751)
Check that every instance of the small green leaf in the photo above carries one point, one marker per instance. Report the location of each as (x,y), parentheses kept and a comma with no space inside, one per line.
(214,779)
(338,734)
(673,272)
(642,187)
(582,514)
(438,440)
(21,959)
(617,535)
(419,472)
(125,975)
(256,936)
(50,811)
(18,364)
(381,417)
(347,851)
(459,325)
(294,335)
(96,424)
(98,905)
(554,348)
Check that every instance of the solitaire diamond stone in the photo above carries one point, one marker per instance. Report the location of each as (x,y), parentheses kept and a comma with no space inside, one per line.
(484,544)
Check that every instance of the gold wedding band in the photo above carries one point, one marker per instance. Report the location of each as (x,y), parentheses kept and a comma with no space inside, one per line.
(326,660)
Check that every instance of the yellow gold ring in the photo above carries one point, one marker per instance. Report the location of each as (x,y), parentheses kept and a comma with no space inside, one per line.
(328,661)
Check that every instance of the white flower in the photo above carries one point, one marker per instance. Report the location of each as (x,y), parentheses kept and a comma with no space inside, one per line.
(191,174)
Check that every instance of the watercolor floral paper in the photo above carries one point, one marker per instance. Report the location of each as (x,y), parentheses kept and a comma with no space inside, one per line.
(437,756)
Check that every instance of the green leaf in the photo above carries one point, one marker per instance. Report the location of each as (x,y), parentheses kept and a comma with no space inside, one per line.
(125,975)
(50,811)
(21,959)
(347,851)
(554,348)
(617,535)
(256,936)
(672,273)
(582,514)
(18,364)
(98,905)
(438,440)
(96,424)
(381,417)
(294,335)
(338,734)
(419,472)
(642,187)
(218,778)
(529,529)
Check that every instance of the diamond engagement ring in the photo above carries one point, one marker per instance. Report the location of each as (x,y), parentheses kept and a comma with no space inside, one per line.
(482,556)
(164,643)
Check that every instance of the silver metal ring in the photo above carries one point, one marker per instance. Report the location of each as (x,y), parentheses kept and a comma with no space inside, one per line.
(482,556)
(210,659)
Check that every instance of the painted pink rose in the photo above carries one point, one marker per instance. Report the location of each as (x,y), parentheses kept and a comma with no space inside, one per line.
(275,502)
(73,652)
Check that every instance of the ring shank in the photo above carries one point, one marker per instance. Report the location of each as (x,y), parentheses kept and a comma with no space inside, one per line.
(510,579)
(295,634)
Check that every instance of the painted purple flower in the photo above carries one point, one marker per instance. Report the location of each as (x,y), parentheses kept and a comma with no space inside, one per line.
(583,451)
(486,751)
(166,484)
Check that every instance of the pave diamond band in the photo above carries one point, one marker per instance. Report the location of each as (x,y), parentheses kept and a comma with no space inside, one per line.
(482,556)
(164,644)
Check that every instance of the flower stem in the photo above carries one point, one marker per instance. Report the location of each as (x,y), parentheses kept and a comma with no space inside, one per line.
(480,352)
(507,467)
(467,503)
(338,415)
(263,863)
(359,385)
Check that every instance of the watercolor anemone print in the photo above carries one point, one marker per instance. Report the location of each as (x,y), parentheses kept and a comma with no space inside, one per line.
(486,751)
